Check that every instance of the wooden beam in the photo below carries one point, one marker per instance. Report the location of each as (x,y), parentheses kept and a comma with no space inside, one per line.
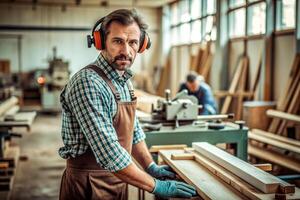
(273,142)
(286,140)
(256,177)
(274,157)
(284,116)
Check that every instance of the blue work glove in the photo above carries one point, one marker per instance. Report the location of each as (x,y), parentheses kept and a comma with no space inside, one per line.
(163,171)
(168,189)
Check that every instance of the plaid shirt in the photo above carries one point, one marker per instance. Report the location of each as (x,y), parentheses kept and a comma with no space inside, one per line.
(88,108)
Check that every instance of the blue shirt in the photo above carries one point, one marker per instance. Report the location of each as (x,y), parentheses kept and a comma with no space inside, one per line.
(204,96)
(88,108)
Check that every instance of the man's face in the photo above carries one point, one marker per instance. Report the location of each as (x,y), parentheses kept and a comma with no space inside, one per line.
(121,45)
(192,86)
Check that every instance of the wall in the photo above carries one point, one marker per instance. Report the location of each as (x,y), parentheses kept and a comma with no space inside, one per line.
(285,49)
(36,46)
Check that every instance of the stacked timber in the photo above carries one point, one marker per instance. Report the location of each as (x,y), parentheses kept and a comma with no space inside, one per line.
(217,174)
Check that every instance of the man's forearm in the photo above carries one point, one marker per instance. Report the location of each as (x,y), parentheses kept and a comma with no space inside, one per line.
(134,176)
(141,154)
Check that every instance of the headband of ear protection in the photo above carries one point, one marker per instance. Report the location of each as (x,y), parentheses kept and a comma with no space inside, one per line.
(98,38)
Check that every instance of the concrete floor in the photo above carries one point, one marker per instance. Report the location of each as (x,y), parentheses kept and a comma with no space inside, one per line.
(39,176)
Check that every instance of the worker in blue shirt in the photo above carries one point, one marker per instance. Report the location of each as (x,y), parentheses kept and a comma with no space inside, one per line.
(100,131)
(196,86)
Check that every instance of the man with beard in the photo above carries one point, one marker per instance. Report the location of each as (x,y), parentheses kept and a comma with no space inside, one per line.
(100,131)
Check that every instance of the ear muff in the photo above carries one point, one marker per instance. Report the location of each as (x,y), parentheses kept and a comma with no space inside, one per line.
(145,42)
(98,37)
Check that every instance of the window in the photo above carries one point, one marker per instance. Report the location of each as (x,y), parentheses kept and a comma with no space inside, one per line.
(196,30)
(192,20)
(257,19)
(236,3)
(285,14)
(237,23)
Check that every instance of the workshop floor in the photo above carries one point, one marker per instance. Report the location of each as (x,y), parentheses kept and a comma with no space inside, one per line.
(39,176)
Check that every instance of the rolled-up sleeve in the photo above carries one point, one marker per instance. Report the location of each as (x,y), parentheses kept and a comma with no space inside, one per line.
(139,134)
(90,105)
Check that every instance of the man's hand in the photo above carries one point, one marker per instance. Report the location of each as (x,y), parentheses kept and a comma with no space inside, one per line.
(167,189)
(160,172)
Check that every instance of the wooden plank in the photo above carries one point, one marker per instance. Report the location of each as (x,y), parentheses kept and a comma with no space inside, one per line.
(256,177)
(198,176)
(293,107)
(286,140)
(283,115)
(257,75)
(273,142)
(267,167)
(207,66)
(156,148)
(289,89)
(241,88)
(233,86)
(6,105)
(274,157)
(182,156)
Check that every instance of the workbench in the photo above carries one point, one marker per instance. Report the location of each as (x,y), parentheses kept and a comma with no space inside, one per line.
(187,134)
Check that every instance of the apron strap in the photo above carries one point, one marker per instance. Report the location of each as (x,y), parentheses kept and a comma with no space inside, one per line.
(103,75)
(131,91)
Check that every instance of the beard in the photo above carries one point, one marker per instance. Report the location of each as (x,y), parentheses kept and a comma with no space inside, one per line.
(120,62)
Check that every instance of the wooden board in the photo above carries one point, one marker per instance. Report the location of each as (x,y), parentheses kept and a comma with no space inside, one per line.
(273,142)
(289,90)
(274,157)
(256,177)
(283,115)
(286,140)
(208,186)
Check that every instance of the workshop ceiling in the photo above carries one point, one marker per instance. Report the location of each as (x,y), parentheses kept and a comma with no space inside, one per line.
(91,3)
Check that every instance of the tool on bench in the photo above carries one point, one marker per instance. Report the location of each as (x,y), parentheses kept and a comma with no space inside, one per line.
(183,109)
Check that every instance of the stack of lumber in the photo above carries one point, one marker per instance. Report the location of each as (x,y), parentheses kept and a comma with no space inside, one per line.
(273,155)
(8,165)
(201,63)
(290,100)
(217,174)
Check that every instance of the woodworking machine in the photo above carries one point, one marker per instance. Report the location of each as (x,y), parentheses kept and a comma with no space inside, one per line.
(183,109)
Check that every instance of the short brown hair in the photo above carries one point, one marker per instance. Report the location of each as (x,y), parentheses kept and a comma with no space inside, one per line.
(124,17)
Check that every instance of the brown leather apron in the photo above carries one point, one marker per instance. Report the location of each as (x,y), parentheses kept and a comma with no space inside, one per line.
(84,178)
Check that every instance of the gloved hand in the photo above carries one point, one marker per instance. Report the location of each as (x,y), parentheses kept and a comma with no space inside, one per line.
(163,171)
(168,189)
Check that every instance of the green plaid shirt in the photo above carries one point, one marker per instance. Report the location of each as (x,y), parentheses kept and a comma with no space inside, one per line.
(88,108)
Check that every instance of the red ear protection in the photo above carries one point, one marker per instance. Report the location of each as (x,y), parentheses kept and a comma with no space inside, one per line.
(98,38)
(145,42)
